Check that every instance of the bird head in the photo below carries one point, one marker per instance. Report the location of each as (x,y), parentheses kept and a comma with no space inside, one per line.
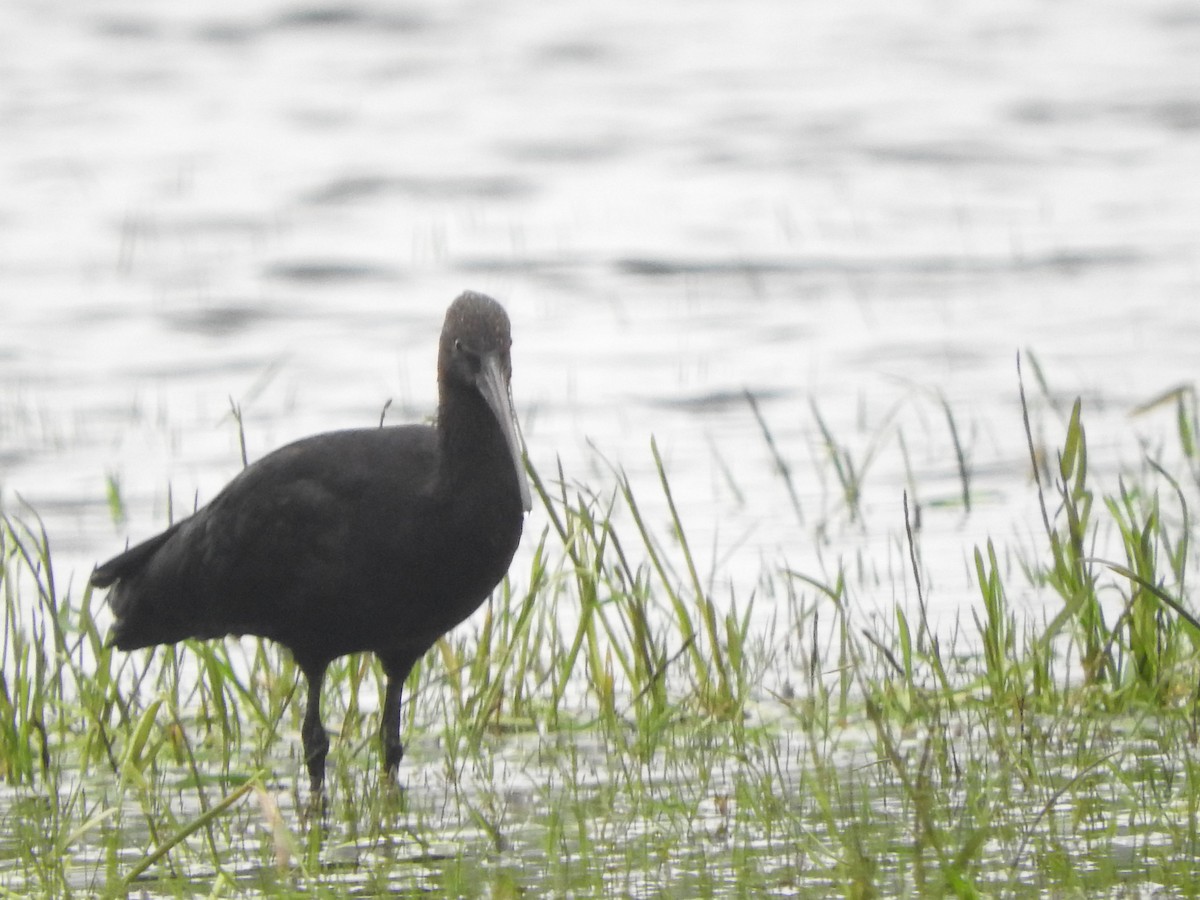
(475,353)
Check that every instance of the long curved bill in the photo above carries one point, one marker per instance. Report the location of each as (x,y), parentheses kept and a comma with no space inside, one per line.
(498,394)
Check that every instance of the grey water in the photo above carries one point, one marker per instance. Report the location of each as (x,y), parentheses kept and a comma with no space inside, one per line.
(861,211)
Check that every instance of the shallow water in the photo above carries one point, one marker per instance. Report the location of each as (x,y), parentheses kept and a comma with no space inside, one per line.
(865,208)
(860,207)
(559,818)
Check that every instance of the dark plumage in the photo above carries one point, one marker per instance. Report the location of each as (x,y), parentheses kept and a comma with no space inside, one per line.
(379,539)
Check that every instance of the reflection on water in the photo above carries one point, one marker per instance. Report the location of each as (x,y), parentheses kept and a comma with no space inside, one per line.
(861,211)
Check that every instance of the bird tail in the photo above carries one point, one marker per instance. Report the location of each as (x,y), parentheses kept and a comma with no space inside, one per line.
(130,562)
(120,574)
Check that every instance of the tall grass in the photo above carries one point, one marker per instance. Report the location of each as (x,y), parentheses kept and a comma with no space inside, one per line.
(605,726)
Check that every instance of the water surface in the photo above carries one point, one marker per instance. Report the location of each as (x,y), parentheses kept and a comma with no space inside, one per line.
(864,208)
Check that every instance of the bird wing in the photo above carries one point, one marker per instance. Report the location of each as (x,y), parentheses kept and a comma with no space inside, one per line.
(282,545)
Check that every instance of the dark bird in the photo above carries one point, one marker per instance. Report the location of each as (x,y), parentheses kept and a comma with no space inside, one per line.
(372,539)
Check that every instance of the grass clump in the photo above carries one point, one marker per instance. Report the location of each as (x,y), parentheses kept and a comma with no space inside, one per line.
(606,726)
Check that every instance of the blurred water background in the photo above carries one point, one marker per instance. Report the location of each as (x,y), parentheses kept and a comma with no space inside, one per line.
(860,210)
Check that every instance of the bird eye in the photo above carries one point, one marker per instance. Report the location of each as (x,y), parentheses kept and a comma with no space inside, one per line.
(458,347)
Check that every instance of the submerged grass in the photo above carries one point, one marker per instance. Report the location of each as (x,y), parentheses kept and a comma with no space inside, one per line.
(606,727)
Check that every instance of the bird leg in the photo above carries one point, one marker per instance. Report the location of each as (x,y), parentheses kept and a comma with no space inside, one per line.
(312,732)
(389,719)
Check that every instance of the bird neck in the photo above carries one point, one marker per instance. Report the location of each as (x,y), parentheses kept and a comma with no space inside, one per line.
(469,437)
